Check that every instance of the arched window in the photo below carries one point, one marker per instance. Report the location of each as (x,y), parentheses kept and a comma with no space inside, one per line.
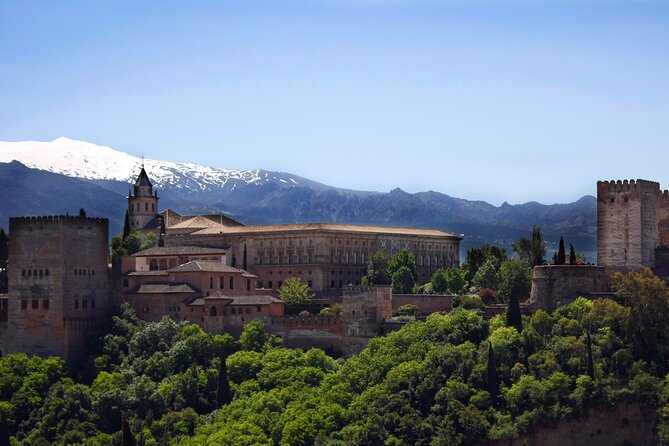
(46,272)
(153,265)
(163,264)
(146,207)
(212,311)
(232,311)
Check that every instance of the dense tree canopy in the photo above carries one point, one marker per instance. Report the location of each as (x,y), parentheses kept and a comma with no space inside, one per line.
(135,241)
(377,270)
(531,250)
(452,379)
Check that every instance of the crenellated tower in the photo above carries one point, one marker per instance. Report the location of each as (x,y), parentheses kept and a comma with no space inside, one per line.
(142,203)
(628,218)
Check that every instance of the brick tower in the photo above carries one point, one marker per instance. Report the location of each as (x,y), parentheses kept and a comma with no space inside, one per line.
(142,203)
(59,284)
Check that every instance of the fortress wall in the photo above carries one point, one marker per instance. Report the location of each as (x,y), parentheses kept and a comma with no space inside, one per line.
(554,285)
(323,332)
(426,303)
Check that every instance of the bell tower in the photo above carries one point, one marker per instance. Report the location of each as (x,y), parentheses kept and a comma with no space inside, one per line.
(142,202)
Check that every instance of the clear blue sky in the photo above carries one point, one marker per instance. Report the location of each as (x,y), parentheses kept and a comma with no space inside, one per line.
(491,100)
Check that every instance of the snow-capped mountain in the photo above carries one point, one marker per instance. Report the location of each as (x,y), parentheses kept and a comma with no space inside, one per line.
(81,174)
(82,159)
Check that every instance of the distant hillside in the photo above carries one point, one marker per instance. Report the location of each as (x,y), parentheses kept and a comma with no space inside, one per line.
(25,191)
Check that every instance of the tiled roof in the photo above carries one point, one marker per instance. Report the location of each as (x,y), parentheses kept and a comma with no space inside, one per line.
(262,299)
(317,227)
(148,273)
(164,288)
(143,179)
(179,251)
(208,266)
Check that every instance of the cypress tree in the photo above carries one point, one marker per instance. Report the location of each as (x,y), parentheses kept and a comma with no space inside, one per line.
(4,255)
(572,255)
(492,379)
(244,258)
(591,364)
(561,254)
(126,226)
(223,396)
(514,318)
(127,439)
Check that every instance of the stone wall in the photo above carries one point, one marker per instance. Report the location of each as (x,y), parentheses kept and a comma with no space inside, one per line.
(366,310)
(426,303)
(554,285)
(307,332)
(59,284)
(622,424)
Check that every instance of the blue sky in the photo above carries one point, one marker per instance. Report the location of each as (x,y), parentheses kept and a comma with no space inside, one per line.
(492,100)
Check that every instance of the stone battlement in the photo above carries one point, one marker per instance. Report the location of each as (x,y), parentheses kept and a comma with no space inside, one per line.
(64,219)
(352,290)
(616,186)
(311,320)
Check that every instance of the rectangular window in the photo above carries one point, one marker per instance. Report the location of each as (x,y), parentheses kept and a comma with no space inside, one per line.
(84,303)
(248,285)
(76,304)
(258,308)
(45,304)
(93,304)
(34,304)
(24,304)
(232,283)
(221,284)
(125,283)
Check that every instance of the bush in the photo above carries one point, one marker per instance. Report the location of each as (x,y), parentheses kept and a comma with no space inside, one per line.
(406,310)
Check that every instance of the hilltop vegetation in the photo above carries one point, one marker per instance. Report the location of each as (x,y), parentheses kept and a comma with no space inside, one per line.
(453,379)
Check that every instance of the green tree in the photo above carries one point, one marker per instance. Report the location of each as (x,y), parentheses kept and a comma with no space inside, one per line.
(406,310)
(572,255)
(486,276)
(476,257)
(135,241)
(405,259)
(591,365)
(492,380)
(254,337)
(126,226)
(377,270)
(294,291)
(403,281)
(515,279)
(561,253)
(514,317)
(533,250)
(647,296)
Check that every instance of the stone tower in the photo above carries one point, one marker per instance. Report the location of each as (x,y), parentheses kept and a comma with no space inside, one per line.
(628,217)
(366,309)
(59,284)
(142,203)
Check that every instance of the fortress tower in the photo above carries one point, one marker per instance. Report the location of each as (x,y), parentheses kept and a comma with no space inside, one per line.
(59,284)
(142,203)
(632,226)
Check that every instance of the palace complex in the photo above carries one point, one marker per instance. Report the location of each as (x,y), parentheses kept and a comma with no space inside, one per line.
(220,274)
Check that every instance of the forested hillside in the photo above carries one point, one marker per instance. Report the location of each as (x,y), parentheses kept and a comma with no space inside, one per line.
(453,379)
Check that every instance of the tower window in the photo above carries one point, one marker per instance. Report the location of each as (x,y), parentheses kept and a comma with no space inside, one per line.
(146,207)
(34,304)
(76,304)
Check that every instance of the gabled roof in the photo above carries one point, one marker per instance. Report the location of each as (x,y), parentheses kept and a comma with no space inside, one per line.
(143,179)
(178,251)
(208,266)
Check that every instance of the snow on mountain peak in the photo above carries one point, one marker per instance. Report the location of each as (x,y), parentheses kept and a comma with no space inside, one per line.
(83,159)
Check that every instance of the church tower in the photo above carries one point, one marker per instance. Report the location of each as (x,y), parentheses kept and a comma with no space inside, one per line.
(142,203)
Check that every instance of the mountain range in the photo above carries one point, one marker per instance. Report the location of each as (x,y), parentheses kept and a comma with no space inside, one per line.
(64,175)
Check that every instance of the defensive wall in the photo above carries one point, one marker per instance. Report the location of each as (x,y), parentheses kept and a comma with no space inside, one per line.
(554,285)
(305,332)
(426,303)
(366,310)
